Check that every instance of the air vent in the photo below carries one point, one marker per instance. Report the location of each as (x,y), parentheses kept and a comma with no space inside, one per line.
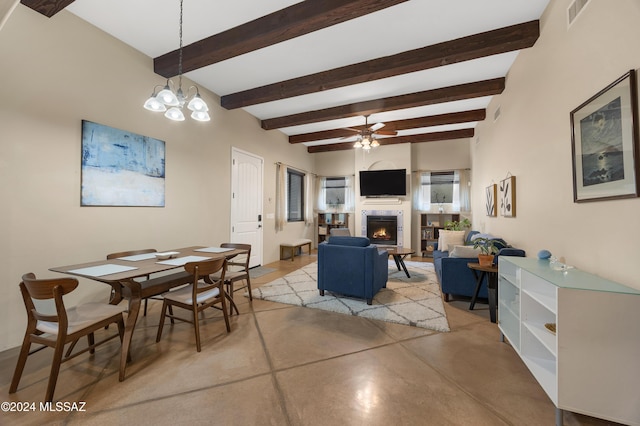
(496,114)
(574,10)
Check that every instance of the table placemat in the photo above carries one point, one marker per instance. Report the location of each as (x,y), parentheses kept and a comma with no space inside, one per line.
(179,261)
(101,270)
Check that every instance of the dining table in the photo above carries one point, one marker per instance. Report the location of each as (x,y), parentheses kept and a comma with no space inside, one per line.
(124,276)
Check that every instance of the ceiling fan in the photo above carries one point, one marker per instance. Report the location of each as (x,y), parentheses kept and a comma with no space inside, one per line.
(366,139)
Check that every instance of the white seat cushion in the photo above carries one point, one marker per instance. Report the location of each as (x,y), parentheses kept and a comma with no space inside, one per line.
(83,316)
(229,275)
(296,243)
(185,294)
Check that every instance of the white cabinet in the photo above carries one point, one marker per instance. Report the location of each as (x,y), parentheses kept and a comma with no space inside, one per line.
(591,365)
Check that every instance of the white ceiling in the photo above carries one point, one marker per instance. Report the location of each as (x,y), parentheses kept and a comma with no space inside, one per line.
(151,26)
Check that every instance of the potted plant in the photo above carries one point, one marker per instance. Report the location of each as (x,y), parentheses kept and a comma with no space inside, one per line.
(454,225)
(488,250)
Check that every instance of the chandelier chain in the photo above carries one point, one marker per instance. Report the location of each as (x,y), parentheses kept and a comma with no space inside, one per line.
(180,52)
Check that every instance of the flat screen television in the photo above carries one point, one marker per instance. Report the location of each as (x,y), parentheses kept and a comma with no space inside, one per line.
(381,183)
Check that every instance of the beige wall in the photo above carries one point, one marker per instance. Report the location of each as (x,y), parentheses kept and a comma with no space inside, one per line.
(532,141)
(57,72)
(441,155)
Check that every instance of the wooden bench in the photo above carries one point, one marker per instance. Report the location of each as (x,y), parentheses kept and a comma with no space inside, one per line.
(294,246)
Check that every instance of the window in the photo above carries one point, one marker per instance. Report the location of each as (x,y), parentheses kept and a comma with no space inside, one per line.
(442,187)
(335,190)
(295,196)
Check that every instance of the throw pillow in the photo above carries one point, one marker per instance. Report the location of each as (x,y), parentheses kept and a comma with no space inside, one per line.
(449,239)
(481,235)
(465,252)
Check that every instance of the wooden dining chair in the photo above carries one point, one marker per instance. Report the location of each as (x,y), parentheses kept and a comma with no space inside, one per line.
(203,293)
(237,270)
(65,326)
(132,253)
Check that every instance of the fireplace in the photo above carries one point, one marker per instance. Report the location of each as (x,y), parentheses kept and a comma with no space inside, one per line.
(383,230)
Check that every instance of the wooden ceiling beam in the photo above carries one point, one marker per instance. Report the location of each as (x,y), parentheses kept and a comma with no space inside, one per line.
(445,94)
(294,21)
(412,123)
(423,137)
(47,7)
(476,46)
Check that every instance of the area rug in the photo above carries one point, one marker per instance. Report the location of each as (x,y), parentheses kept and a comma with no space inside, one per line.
(259,271)
(415,301)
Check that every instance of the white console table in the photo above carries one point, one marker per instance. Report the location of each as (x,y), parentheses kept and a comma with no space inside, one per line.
(592,364)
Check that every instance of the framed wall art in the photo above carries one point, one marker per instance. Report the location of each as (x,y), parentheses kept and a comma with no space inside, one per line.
(508,197)
(121,168)
(491,200)
(604,143)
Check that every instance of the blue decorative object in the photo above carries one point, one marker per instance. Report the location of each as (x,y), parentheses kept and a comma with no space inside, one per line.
(544,254)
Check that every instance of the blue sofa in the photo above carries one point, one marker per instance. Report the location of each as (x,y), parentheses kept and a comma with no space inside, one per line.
(454,275)
(352,266)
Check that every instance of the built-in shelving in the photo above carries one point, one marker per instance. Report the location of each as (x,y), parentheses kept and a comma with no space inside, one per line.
(430,226)
(328,221)
(590,364)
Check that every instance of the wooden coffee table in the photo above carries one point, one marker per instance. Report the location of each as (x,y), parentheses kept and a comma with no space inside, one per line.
(399,254)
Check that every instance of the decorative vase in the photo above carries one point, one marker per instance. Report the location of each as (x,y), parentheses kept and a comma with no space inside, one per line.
(485,259)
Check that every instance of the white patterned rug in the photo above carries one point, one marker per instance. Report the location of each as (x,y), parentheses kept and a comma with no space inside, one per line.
(415,301)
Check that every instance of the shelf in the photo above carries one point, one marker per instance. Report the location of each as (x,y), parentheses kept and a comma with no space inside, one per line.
(329,221)
(544,371)
(511,278)
(511,309)
(509,324)
(585,366)
(545,300)
(543,335)
(540,290)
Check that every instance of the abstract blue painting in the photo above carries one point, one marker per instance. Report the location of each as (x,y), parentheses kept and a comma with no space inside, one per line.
(121,168)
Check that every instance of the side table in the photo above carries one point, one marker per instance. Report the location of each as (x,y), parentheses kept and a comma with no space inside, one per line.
(399,254)
(479,272)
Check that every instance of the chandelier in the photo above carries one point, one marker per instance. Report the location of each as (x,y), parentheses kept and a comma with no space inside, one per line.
(171,101)
(366,140)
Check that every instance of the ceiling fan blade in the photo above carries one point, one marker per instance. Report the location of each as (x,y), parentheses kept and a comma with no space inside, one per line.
(347,137)
(387,132)
(353,129)
(376,127)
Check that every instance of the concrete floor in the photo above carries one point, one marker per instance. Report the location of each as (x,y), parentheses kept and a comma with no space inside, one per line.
(286,365)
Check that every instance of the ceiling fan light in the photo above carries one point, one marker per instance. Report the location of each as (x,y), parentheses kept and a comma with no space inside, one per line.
(200,116)
(167,97)
(153,104)
(174,114)
(375,143)
(358,144)
(366,147)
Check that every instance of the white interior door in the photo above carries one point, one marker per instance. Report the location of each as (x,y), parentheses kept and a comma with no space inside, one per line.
(246,202)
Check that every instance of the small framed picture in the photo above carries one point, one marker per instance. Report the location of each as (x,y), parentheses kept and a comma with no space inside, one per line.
(508,197)
(491,205)
(604,143)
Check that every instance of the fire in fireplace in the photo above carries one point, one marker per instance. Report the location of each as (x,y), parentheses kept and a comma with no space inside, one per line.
(382,229)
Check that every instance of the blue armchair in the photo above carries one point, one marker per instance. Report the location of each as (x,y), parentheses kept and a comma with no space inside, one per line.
(352,266)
